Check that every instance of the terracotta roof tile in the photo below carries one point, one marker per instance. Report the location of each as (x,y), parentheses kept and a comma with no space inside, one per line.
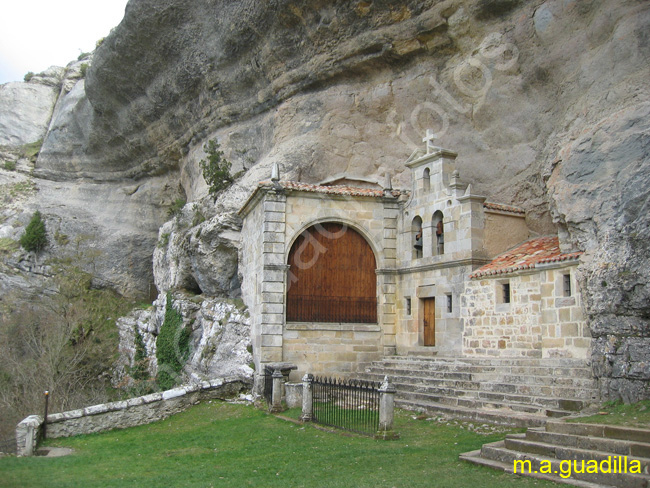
(503,208)
(331,190)
(526,256)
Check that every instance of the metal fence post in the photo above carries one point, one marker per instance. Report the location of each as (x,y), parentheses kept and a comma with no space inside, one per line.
(307,399)
(386,411)
(276,402)
(47,397)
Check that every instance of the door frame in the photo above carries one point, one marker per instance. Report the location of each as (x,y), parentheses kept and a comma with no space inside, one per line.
(428,315)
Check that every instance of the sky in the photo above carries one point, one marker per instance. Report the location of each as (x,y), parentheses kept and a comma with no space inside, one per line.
(37,34)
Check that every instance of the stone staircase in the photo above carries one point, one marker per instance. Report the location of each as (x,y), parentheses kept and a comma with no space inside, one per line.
(519,392)
(566,452)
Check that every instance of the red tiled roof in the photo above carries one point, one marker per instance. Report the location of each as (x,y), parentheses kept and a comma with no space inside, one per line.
(331,190)
(503,208)
(526,256)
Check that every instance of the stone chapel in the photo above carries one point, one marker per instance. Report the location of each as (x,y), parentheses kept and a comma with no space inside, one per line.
(349,271)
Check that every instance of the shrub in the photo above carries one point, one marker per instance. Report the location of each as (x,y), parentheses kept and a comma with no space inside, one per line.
(172,347)
(7,245)
(28,76)
(10,165)
(164,240)
(176,207)
(35,237)
(32,149)
(82,69)
(216,169)
(198,216)
(140,370)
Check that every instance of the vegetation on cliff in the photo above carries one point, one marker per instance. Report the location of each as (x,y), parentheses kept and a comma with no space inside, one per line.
(216,169)
(35,237)
(172,347)
(65,343)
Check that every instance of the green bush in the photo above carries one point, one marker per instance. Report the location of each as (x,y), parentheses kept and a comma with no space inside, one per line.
(28,76)
(32,149)
(10,165)
(35,237)
(176,207)
(172,347)
(164,240)
(7,245)
(140,370)
(216,169)
(83,69)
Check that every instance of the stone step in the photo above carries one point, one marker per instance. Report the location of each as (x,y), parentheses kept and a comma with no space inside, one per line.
(496,416)
(457,392)
(570,468)
(496,368)
(496,361)
(601,430)
(445,375)
(587,384)
(517,443)
(474,457)
(594,443)
(549,408)
(578,395)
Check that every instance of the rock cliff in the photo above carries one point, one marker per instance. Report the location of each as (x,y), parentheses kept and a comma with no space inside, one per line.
(219,343)
(545,101)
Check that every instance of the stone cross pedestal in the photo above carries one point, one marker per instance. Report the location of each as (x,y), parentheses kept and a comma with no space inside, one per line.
(307,400)
(386,411)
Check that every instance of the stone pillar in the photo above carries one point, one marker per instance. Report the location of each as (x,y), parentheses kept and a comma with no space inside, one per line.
(274,270)
(27,433)
(276,402)
(307,403)
(387,281)
(386,411)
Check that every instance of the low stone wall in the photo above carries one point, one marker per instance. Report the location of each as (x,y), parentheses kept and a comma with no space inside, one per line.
(127,413)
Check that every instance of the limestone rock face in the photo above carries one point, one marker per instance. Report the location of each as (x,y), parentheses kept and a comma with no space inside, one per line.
(610,221)
(26,108)
(197,254)
(220,337)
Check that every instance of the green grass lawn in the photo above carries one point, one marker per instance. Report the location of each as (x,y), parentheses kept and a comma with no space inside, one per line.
(228,445)
(635,415)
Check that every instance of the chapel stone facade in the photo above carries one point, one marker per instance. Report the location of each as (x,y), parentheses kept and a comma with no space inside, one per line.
(348,271)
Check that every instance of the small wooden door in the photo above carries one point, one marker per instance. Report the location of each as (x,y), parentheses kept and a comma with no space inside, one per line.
(429,321)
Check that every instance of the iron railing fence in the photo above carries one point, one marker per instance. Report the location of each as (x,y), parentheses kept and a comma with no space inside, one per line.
(331,309)
(268,386)
(346,404)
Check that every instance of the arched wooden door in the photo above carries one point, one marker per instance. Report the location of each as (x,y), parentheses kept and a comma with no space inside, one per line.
(331,277)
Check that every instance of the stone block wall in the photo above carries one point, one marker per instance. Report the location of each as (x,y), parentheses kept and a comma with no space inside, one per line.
(325,349)
(539,321)
(127,413)
(494,328)
(565,332)
(437,283)
(272,223)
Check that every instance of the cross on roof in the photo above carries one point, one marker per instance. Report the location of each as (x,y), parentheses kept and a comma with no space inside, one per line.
(428,140)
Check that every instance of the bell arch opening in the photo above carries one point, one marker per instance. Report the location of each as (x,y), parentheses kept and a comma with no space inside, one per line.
(331,276)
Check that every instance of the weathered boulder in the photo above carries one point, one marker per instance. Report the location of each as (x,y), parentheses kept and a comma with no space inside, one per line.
(26,108)
(220,340)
